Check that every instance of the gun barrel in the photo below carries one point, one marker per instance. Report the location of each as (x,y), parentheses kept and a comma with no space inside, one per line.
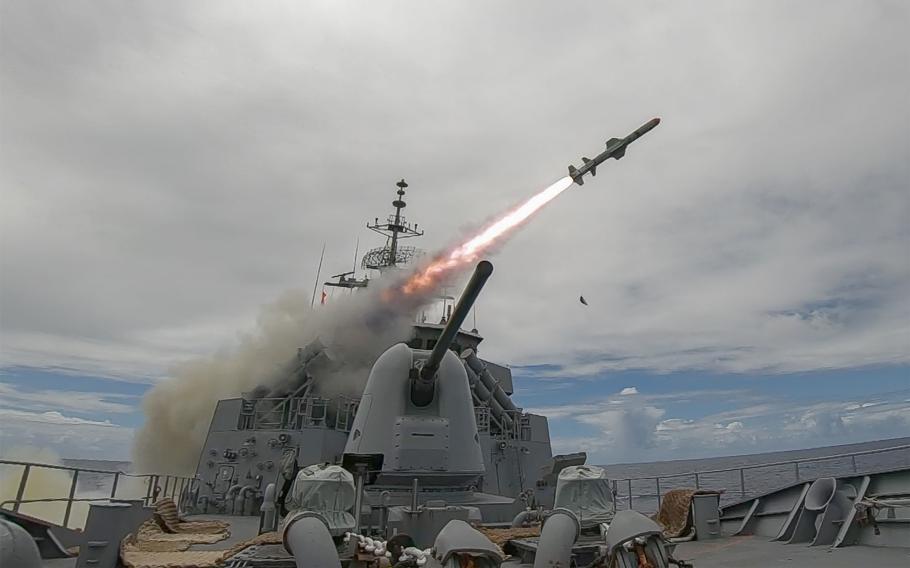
(423,385)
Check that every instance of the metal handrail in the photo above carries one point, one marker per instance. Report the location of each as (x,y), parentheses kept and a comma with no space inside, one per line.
(153,489)
(51,500)
(789,462)
(66,467)
(742,469)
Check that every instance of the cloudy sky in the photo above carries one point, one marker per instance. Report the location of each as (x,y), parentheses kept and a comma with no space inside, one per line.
(169,167)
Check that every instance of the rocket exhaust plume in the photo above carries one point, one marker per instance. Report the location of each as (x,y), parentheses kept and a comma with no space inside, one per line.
(466,253)
(429,277)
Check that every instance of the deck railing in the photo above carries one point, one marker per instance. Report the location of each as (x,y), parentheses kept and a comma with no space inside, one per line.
(627,490)
(177,487)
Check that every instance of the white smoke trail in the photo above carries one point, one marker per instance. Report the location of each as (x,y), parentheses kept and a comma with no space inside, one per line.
(475,247)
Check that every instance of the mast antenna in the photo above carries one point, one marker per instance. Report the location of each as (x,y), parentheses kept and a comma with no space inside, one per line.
(395,228)
(318,272)
(356,251)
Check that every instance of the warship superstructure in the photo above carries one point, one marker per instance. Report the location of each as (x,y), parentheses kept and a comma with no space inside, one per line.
(266,435)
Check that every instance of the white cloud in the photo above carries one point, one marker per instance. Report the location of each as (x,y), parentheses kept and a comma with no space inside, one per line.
(67,436)
(592,445)
(74,401)
(146,214)
(642,430)
(628,391)
(629,430)
(51,417)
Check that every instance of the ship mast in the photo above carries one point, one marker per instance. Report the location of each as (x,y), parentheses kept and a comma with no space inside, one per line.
(391,255)
(395,228)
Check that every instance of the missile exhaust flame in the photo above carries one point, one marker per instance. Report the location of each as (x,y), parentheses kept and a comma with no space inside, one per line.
(471,250)
(426,279)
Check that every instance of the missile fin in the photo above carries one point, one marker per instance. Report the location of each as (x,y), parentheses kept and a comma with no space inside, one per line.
(593,171)
(585,160)
(620,153)
(613,141)
(573,173)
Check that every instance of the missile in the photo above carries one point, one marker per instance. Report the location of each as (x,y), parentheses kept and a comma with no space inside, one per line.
(616,149)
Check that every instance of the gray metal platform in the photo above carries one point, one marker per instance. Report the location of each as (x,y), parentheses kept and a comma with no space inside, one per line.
(759,552)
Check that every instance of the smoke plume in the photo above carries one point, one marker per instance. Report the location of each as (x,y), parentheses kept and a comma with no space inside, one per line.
(355,329)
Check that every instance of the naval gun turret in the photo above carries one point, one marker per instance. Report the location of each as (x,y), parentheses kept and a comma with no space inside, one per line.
(414,447)
(425,374)
(417,411)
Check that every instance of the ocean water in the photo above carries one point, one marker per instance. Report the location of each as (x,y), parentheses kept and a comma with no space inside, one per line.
(757,477)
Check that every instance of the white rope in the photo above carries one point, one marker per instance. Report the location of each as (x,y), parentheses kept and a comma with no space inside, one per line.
(368,545)
(378,547)
(885,503)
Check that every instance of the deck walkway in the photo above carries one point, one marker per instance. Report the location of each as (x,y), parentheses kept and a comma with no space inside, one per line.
(759,552)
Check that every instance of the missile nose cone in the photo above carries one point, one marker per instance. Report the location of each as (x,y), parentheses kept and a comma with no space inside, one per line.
(648,126)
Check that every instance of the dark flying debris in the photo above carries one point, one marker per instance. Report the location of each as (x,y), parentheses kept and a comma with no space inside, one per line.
(582,300)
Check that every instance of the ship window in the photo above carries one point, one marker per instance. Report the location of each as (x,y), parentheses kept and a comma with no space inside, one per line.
(414,344)
(431,343)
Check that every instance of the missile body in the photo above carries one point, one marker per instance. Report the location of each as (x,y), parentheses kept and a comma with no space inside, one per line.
(616,149)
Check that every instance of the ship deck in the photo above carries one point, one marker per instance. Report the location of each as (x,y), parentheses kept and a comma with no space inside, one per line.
(241,529)
(741,551)
(751,551)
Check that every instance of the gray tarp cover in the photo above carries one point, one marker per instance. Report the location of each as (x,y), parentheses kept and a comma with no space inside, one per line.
(585,490)
(324,489)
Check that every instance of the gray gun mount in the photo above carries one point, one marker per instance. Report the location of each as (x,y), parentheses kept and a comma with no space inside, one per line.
(423,380)
(417,411)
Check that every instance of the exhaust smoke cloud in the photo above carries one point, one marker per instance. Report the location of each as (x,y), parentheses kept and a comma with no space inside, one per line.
(178,410)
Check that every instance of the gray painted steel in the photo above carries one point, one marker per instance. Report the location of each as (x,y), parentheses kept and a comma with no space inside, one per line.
(706,516)
(106,526)
(626,526)
(746,552)
(307,538)
(559,533)
(17,548)
(458,538)
(858,511)
(426,522)
(439,438)
(425,379)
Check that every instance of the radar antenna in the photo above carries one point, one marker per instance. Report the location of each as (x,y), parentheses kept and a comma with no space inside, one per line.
(395,228)
(392,254)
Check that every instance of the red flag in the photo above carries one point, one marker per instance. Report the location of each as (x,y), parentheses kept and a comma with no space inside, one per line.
(324,296)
